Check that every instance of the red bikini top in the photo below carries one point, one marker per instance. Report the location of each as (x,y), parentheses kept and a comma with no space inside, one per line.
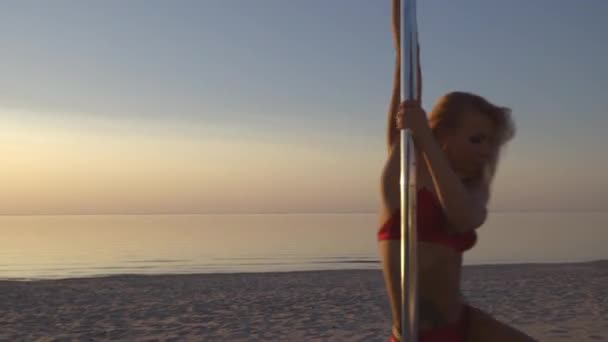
(431,224)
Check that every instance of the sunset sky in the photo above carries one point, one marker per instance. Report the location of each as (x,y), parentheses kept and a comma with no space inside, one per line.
(221,106)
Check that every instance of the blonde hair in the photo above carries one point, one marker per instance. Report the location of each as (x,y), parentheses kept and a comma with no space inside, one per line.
(449,109)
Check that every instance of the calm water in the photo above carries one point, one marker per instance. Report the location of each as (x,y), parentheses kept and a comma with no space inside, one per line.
(76,246)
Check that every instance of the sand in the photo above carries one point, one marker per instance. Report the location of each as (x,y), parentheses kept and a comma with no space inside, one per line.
(551,302)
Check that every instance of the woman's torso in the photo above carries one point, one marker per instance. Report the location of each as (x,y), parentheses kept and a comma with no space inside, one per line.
(440,299)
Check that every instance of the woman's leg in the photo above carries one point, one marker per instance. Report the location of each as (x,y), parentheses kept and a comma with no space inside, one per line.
(390,253)
(485,328)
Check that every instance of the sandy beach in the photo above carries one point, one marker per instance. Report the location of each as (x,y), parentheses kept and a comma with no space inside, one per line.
(552,302)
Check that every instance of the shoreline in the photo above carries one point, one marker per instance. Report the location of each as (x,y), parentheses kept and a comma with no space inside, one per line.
(598,262)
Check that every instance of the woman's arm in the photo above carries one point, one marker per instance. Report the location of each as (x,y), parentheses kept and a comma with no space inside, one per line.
(392,130)
(464,206)
(392,134)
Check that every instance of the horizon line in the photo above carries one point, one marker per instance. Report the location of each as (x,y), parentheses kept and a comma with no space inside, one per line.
(284,213)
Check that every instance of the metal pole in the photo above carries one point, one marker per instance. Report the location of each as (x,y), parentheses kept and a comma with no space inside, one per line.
(409,239)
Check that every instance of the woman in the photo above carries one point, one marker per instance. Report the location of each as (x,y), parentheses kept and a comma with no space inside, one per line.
(457,152)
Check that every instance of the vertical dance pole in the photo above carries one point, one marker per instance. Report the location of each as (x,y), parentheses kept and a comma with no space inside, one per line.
(409,239)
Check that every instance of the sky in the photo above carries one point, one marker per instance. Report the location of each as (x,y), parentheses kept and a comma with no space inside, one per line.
(222,106)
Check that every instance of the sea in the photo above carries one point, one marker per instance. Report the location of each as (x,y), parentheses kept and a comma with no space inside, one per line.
(73,246)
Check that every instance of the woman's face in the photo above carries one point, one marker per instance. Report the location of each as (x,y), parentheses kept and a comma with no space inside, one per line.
(472,144)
